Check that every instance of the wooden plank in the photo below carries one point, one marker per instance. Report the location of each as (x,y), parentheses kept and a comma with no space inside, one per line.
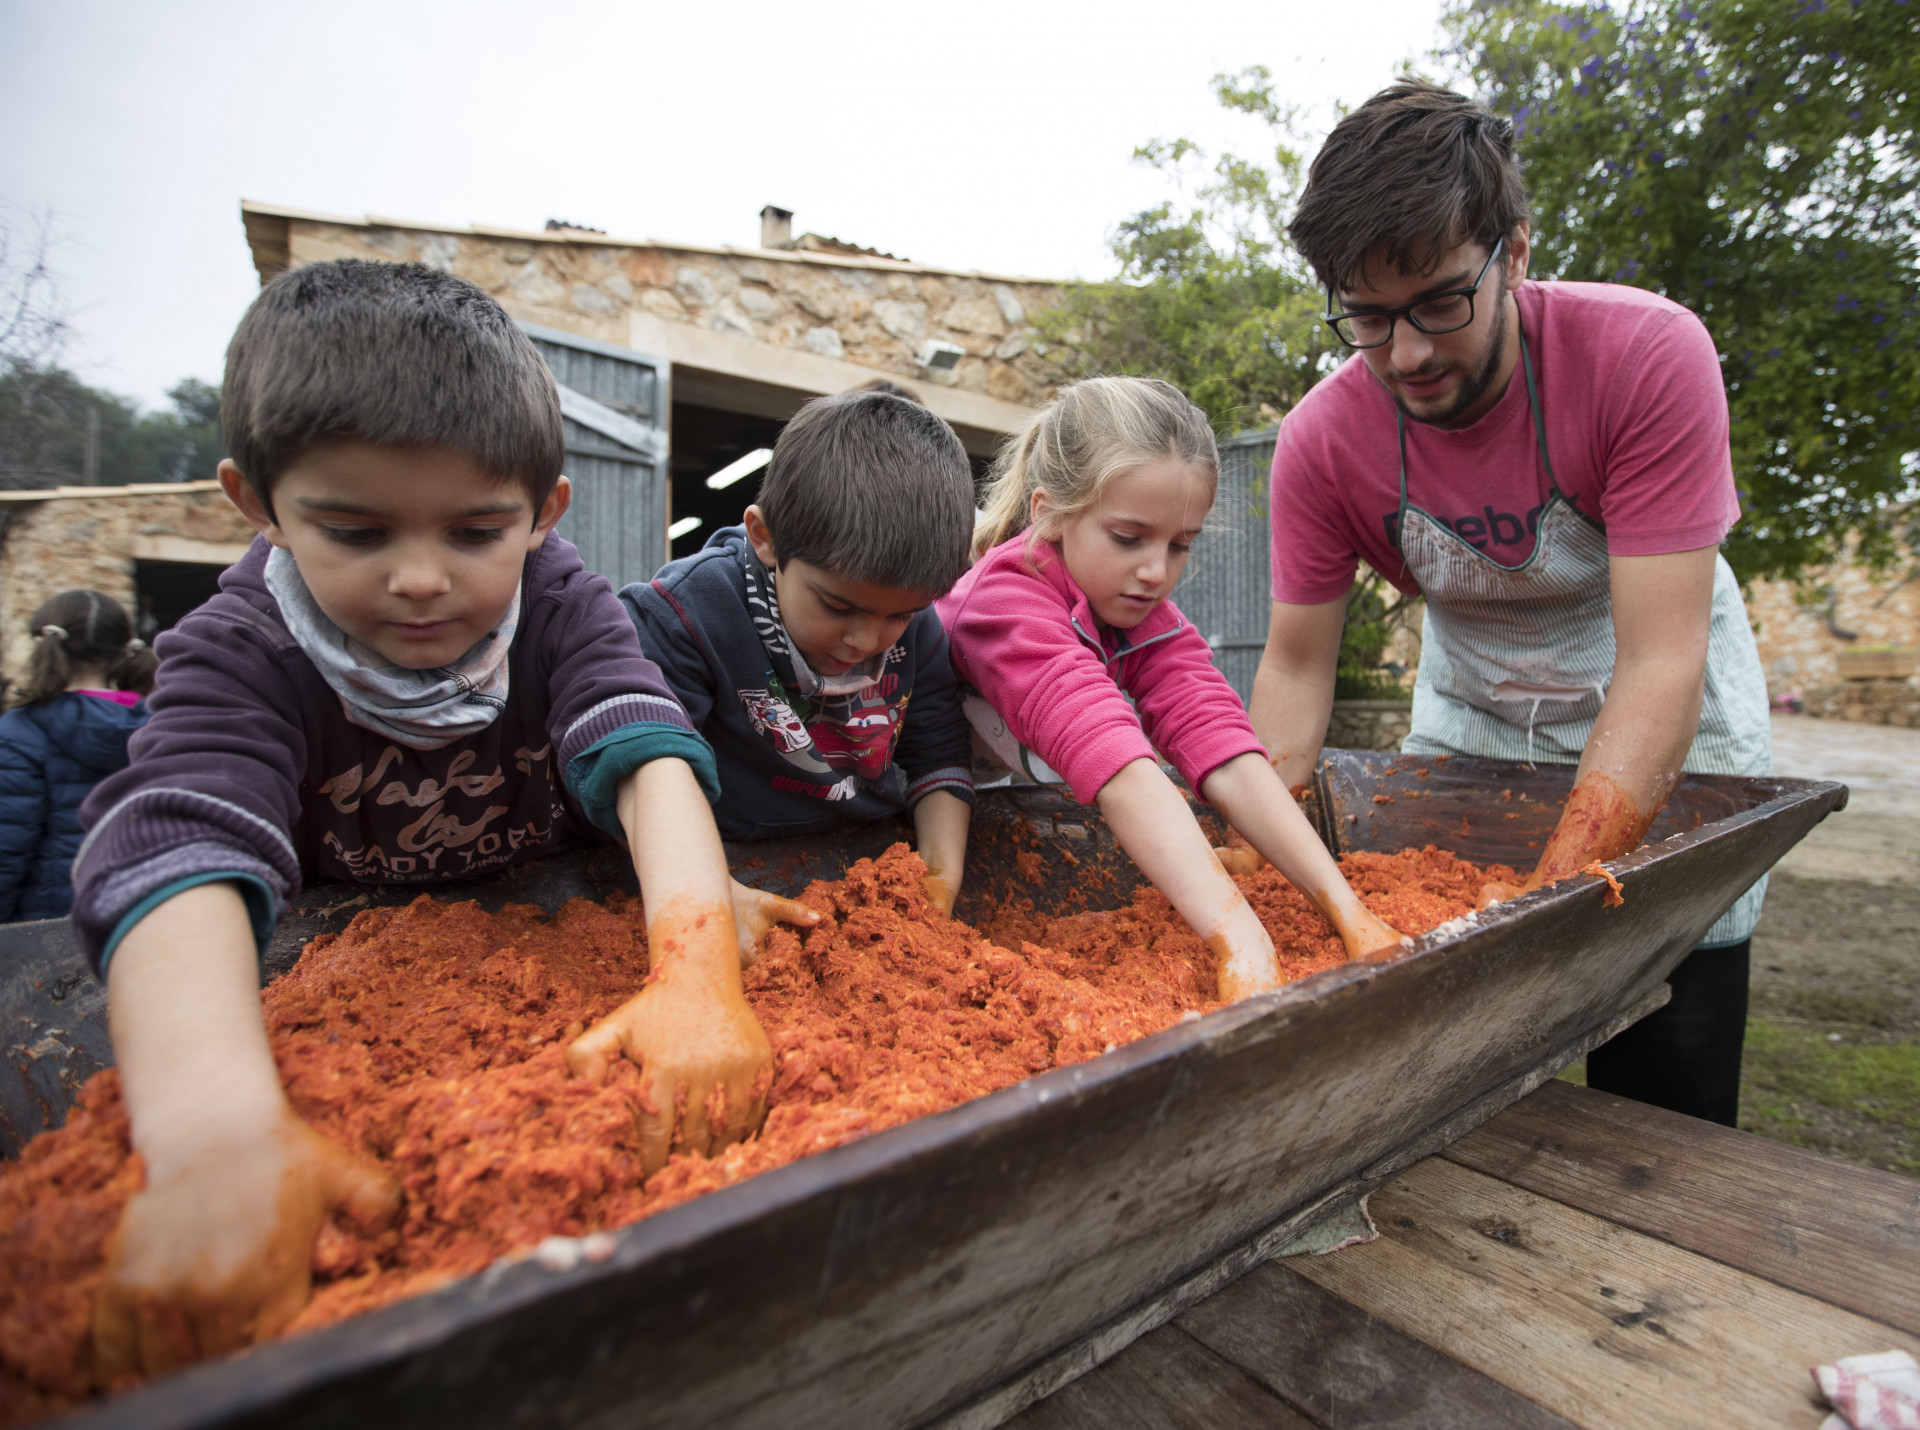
(1166,1381)
(1091,1351)
(1602,1324)
(1345,1368)
(1848,1235)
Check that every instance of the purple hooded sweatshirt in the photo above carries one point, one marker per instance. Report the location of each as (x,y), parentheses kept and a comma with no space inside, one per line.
(249,770)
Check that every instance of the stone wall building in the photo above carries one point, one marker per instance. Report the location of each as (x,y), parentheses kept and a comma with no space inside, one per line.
(716,347)
(156,549)
(739,337)
(1844,639)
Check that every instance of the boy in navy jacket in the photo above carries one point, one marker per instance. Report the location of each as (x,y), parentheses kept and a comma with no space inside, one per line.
(408,679)
(804,643)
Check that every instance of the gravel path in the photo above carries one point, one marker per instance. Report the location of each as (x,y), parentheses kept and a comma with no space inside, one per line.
(1876,838)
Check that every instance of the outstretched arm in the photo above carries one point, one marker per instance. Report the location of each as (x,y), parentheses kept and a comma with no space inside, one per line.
(1248,791)
(216,1250)
(704,1060)
(1293,688)
(941,821)
(1150,818)
(1662,608)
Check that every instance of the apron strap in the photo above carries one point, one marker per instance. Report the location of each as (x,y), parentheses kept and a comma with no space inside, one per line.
(1533,402)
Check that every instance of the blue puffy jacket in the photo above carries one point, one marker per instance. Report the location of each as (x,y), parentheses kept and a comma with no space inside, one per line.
(51,756)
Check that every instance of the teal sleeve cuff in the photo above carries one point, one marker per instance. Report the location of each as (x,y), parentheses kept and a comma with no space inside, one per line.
(595,773)
(253,889)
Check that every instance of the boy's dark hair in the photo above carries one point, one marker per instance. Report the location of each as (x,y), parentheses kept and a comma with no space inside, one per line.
(1411,173)
(393,354)
(79,630)
(871,484)
(884,384)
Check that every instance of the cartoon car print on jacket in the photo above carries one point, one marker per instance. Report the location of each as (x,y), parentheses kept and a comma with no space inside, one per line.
(775,720)
(863,741)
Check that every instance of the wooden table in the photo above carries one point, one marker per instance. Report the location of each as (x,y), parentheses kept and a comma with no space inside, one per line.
(1580,1260)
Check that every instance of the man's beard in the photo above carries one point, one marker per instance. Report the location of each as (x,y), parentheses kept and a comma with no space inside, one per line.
(1476,384)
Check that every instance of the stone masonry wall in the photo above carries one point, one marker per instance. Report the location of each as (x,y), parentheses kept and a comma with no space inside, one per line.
(1868,702)
(1798,651)
(1369,724)
(47,547)
(867,314)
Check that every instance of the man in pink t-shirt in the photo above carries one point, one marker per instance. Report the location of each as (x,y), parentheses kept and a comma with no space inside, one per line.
(1547,464)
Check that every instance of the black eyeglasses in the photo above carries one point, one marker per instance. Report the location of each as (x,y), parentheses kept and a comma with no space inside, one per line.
(1442,313)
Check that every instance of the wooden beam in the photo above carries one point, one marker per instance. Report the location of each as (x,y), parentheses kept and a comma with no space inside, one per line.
(132,489)
(269,240)
(714,369)
(1601,1324)
(183,548)
(1848,1235)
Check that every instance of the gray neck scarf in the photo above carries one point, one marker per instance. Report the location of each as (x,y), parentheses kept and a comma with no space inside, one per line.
(763,605)
(421,709)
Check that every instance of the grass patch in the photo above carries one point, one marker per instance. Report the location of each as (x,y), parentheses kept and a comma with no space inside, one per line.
(1853,1100)
(1860,1101)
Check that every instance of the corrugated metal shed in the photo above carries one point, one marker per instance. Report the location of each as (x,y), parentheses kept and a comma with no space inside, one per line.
(1227,588)
(613,402)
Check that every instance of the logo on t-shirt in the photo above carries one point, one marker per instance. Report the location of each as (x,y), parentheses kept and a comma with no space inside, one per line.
(1489,528)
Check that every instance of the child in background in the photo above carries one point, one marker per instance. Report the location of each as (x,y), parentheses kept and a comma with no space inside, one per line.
(407,679)
(1064,615)
(804,643)
(80,701)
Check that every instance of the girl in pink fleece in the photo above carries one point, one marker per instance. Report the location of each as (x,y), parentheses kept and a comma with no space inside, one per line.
(1064,614)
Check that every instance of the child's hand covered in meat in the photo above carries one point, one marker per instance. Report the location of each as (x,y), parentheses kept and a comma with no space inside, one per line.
(705,1062)
(755,911)
(215,1253)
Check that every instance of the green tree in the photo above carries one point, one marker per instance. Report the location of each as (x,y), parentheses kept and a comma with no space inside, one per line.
(1209,296)
(46,414)
(49,418)
(183,445)
(1757,161)
(1212,298)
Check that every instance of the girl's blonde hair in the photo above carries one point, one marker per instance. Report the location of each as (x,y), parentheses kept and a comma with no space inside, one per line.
(1087,436)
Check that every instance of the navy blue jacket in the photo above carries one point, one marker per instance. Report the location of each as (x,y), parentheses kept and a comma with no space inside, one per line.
(789,765)
(51,757)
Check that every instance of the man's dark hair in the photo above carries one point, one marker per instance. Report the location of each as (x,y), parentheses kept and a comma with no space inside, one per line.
(1410,174)
(872,485)
(392,354)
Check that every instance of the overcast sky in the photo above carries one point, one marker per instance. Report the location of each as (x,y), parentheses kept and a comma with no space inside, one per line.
(990,135)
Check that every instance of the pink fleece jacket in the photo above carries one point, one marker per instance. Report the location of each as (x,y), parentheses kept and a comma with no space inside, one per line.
(1024,635)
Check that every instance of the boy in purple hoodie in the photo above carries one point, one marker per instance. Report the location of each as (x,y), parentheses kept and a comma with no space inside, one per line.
(408,679)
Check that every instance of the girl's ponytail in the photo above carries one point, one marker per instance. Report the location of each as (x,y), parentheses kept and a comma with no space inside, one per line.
(48,669)
(81,630)
(1010,495)
(135,668)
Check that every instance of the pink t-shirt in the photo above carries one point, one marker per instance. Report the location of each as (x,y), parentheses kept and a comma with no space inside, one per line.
(1636,422)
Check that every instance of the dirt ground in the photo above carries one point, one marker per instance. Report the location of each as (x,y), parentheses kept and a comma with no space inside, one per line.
(1833,1041)
(1833,1034)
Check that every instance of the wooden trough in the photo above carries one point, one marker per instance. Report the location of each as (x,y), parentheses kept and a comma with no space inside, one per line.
(954,1269)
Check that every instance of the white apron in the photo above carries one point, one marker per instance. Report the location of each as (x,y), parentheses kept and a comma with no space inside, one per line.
(1515,660)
